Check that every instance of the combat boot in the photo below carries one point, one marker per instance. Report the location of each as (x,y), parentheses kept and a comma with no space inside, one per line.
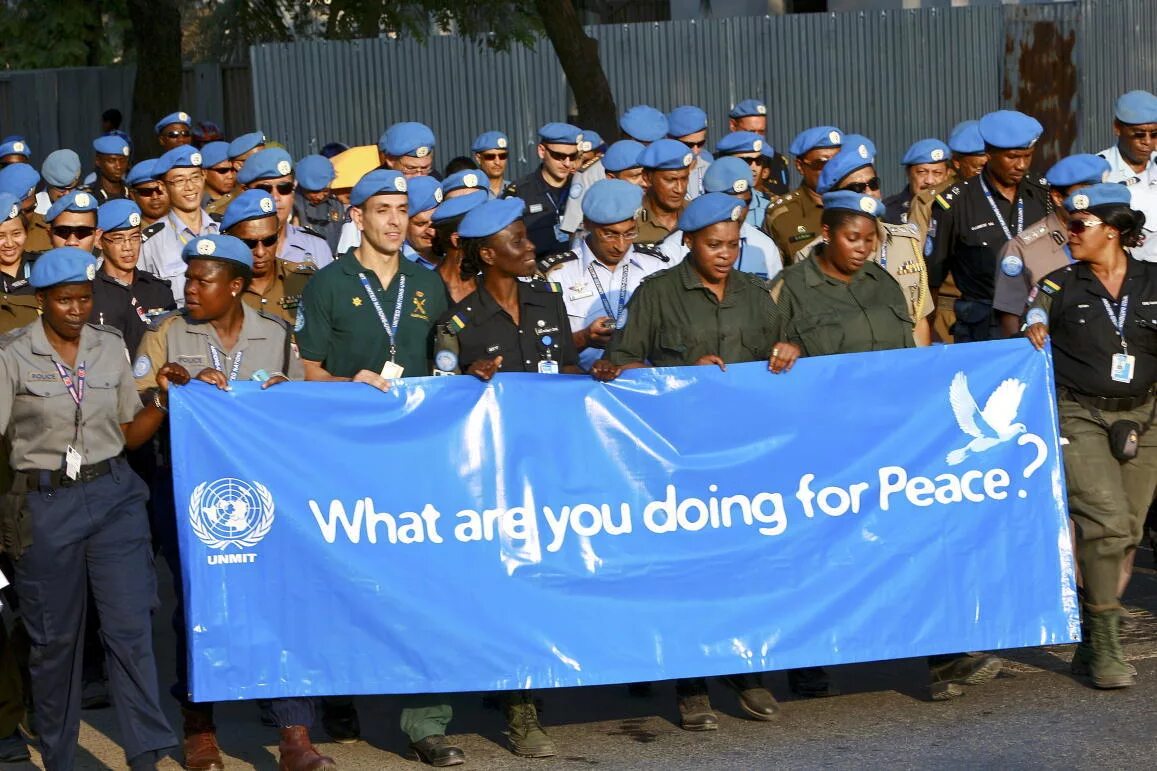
(200,742)
(1083,655)
(298,753)
(525,736)
(1107,666)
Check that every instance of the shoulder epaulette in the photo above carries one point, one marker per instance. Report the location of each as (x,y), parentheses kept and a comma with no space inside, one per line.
(510,190)
(152,230)
(945,199)
(275,319)
(216,216)
(652,250)
(1028,237)
(305,266)
(904,231)
(547,286)
(106,328)
(310,231)
(552,261)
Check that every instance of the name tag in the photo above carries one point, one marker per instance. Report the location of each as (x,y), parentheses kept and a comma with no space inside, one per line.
(191,361)
(535,208)
(580,292)
(1122,369)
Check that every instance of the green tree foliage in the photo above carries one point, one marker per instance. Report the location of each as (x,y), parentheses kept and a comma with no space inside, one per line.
(35,34)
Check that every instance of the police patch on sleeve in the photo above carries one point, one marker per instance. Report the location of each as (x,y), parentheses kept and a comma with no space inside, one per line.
(142,365)
(1037,316)
(299,321)
(1012,266)
(446,360)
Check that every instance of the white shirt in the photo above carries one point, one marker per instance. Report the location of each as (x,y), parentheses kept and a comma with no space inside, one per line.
(161,254)
(350,238)
(572,217)
(1143,191)
(758,254)
(43,202)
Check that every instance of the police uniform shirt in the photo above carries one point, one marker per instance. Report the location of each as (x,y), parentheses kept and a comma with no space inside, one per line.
(896,206)
(17,311)
(545,207)
(758,254)
(216,206)
(1143,192)
(651,233)
(324,218)
(1083,338)
(823,315)
(965,236)
(572,218)
(675,320)
(338,326)
(283,294)
(482,329)
(17,282)
(757,210)
(695,179)
(793,222)
(583,298)
(1026,259)
(132,308)
(301,246)
(38,238)
(411,254)
(161,254)
(103,196)
(37,413)
(263,344)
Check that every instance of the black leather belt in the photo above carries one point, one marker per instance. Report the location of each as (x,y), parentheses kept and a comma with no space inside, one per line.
(50,480)
(1104,403)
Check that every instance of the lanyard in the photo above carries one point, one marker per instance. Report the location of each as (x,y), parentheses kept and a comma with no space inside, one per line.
(1118,320)
(883,261)
(178,227)
(391,329)
(603,295)
(75,387)
(1000,217)
(216,356)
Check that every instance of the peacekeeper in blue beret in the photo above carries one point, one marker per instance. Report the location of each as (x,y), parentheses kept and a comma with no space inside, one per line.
(448,246)
(793,221)
(72,221)
(423,195)
(174,130)
(491,150)
(20,307)
(548,191)
(751,115)
(21,180)
(974,219)
(124,297)
(14,150)
(592,148)
(688,124)
(926,166)
(408,148)
(751,149)
(220,178)
(246,146)
(622,161)
(112,163)
(61,174)
(314,205)
(1133,160)
(150,195)
(463,183)
(666,169)
(271,170)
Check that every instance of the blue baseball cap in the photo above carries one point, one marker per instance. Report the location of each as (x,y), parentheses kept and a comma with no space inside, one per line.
(141,172)
(422,194)
(1080,169)
(849,159)
(245,143)
(217,246)
(270,163)
(61,168)
(466,179)
(1133,108)
(644,123)
(860,203)
(181,118)
(111,144)
(414,139)
(213,153)
(1101,194)
(666,154)
(19,179)
(183,157)
(15,146)
(78,201)
(591,141)
(378,182)
(249,205)
(458,206)
(1010,130)
(623,155)
(686,120)
(926,151)
(118,214)
(965,138)
(9,207)
(611,200)
(489,218)
(728,175)
(490,140)
(709,209)
(315,173)
(740,142)
(748,108)
(62,265)
(560,134)
(816,137)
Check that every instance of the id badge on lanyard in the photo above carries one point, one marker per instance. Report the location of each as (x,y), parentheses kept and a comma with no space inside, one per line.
(73,460)
(1122,364)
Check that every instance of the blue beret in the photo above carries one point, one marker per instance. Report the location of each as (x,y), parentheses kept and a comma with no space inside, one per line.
(77,201)
(816,137)
(423,194)
(666,154)
(560,134)
(61,168)
(16,146)
(245,143)
(926,151)
(728,175)
(491,217)
(183,157)
(9,207)
(1133,108)
(1102,194)
(612,200)
(414,139)
(686,120)
(378,182)
(173,117)
(1081,169)
(249,205)
(748,108)
(218,247)
(141,173)
(623,155)
(270,163)
(708,209)
(861,203)
(111,144)
(118,214)
(465,179)
(490,140)
(1010,130)
(848,159)
(740,142)
(965,138)
(458,206)
(591,141)
(214,153)
(853,140)
(644,123)
(63,265)
(315,173)
(19,179)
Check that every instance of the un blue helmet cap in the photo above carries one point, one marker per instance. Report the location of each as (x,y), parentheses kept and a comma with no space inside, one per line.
(1133,108)
(270,163)
(467,179)
(245,143)
(458,206)
(179,118)
(61,168)
(315,173)
(850,158)
(407,138)
(708,209)
(609,201)
(79,201)
(965,138)
(423,194)
(591,141)
(19,179)
(728,175)
(378,182)
(1080,169)
(62,265)
(489,218)
(213,153)
(1010,130)
(686,120)
(644,123)
(9,207)
(860,203)
(926,151)
(623,155)
(560,134)
(666,155)
(118,214)
(249,205)
(748,108)
(15,146)
(490,140)
(218,246)
(1096,196)
(111,144)
(183,157)
(740,142)
(141,172)
(816,137)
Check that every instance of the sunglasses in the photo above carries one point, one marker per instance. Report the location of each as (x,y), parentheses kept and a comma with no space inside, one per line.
(65,232)
(816,165)
(1139,135)
(148,192)
(177,134)
(266,242)
(283,188)
(696,145)
(872,184)
(493,156)
(223,169)
(1080,226)
(564,156)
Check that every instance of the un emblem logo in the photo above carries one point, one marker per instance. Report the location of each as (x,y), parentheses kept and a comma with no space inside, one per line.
(231,512)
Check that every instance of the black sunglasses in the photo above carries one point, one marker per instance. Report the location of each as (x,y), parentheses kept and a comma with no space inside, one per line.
(863,187)
(148,192)
(696,145)
(178,134)
(266,242)
(563,156)
(223,169)
(1139,135)
(65,232)
(493,156)
(283,188)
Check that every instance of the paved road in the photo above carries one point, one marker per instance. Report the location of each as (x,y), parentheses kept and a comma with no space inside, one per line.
(1033,716)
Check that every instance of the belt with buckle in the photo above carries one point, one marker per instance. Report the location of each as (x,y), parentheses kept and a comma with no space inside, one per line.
(1105,403)
(51,480)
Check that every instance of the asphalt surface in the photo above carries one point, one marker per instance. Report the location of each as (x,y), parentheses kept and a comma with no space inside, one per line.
(1035,715)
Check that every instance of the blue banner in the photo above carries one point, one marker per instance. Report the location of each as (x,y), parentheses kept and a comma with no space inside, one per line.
(542,531)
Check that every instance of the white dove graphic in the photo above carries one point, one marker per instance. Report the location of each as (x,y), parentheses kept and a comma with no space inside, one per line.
(990,426)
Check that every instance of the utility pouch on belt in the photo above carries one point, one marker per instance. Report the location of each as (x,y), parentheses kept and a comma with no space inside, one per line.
(1125,439)
(15,524)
